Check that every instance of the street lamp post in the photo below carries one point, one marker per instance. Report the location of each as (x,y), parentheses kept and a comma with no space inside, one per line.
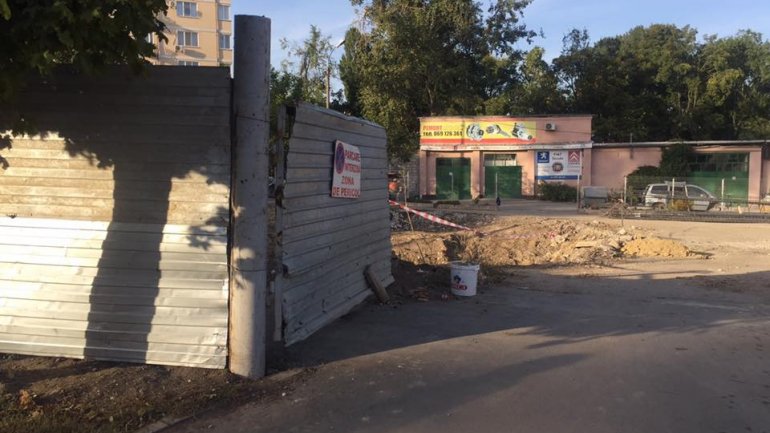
(329,74)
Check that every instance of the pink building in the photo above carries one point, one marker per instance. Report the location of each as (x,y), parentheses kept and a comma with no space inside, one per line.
(464,157)
(744,165)
(467,157)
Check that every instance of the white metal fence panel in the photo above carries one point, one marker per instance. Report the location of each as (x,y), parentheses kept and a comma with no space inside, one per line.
(326,243)
(113,218)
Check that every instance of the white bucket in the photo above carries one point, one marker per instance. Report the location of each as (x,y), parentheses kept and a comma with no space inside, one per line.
(464,277)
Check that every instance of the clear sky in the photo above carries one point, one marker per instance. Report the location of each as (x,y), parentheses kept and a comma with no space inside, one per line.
(291,19)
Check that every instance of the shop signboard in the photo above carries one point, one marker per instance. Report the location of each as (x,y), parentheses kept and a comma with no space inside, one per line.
(476,131)
(558,164)
(346,173)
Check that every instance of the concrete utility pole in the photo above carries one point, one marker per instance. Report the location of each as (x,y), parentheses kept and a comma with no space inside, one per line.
(248,259)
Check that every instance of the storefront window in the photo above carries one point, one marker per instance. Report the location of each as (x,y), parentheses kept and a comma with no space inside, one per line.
(500,160)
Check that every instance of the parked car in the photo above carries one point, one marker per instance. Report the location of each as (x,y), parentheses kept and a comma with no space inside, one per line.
(662,195)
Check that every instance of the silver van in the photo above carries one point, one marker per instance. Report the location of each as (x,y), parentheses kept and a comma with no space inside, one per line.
(659,195)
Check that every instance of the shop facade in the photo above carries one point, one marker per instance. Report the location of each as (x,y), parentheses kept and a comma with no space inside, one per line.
(494,156)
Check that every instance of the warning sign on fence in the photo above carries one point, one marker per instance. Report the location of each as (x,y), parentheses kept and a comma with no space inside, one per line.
(346,174)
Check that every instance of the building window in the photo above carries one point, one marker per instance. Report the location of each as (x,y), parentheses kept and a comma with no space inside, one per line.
(186,9)
(223,13)
(500,160)
(186,39)
(224,42)
(720,162)
(186,63)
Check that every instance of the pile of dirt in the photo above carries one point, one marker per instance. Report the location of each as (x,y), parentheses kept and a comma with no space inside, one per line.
(525,241)
(655,247)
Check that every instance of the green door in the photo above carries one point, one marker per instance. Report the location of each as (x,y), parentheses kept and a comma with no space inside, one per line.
(736,183)
(453,178)
(708,170)
(503,182)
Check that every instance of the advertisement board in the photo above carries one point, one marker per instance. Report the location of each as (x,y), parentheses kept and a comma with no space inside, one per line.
(346,173)
(558,164)
(477,131)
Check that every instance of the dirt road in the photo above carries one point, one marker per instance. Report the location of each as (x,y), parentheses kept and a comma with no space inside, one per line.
(636,345)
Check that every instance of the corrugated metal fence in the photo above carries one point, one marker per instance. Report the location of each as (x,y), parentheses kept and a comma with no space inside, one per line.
(113,220)
(326,243)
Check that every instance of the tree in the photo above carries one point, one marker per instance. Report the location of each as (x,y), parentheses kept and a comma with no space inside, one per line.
(87,34)
(351,74)
(595,82)
(662,63)
(736,86)
(675,160)
(659,83)
(430,57)
(538,92)
(310,61)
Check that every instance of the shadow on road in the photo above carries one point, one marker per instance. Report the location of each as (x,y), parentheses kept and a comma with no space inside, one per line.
(565,309)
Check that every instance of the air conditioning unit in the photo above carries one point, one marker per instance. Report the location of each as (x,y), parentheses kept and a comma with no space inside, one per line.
(179,49)
(550,127)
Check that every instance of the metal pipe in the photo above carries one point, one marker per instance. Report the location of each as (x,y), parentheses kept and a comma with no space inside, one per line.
(248,257)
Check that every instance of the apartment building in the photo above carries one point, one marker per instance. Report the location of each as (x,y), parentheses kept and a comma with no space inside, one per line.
(199,34)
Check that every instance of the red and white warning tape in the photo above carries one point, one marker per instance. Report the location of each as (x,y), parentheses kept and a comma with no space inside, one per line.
(442,221)
(430,217)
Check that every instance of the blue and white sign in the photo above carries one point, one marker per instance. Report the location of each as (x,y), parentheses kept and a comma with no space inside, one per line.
(559,165)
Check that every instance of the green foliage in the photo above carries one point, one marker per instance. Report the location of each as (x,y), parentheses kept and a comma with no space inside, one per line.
(556,192)
(646,171)
(429,57)
(309,62)
(659,83)
(638,180)
(680,205)
(412,58)
(88,34)
(351,74)
(5,11)
(675,160)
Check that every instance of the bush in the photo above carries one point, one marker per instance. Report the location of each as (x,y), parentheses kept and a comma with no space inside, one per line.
(557,192)
(675,160)
(679,205)
(639,179)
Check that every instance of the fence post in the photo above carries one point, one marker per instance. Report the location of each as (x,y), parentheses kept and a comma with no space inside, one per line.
(722,204)
(248,258)
(625,190)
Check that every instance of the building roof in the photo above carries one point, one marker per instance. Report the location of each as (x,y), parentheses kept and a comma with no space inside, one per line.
(692,143)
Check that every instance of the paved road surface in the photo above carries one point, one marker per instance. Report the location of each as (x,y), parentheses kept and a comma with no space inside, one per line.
(545,353)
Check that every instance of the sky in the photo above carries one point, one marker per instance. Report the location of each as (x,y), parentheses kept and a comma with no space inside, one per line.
(291,19)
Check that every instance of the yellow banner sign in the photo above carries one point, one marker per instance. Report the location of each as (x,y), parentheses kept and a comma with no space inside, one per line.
(477,131)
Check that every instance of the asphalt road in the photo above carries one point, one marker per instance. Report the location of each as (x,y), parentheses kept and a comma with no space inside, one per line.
(544,353)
